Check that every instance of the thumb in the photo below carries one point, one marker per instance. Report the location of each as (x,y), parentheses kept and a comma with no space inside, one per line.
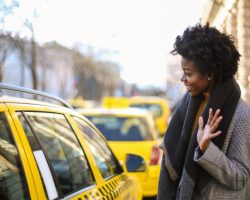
(201,123)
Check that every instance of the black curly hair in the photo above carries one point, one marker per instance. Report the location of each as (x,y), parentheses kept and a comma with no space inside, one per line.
(212,51)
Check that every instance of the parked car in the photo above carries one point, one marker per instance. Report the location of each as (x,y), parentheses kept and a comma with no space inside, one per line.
(131,130)
(50,151)
(157,106)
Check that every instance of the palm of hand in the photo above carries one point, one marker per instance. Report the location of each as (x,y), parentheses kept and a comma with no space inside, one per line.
(207,133)
(203,134)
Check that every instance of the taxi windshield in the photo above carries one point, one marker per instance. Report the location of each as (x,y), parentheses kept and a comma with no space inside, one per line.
(122,128)
(154,109)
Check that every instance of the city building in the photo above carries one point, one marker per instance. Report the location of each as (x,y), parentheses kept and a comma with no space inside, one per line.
(233,17)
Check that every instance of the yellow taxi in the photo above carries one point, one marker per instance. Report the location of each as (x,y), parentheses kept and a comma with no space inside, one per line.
(131,130)
(159,108)
(115,102)
(50,151)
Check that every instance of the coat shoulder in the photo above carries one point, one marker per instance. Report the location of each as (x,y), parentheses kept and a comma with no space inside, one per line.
(242,111)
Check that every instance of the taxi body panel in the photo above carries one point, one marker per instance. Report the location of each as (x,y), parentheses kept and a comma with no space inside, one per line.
(32,172)
(118,186)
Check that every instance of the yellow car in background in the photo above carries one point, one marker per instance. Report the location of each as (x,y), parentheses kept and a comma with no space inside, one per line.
(115,102)
(131,131)
(50,151)
(159,108)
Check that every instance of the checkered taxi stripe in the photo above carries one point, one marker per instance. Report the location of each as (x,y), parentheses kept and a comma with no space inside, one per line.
(110,191)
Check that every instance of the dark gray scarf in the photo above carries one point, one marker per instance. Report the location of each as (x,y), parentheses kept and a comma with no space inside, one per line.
(179,141)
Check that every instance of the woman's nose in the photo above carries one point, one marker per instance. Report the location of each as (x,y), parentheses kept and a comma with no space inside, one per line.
(183,78)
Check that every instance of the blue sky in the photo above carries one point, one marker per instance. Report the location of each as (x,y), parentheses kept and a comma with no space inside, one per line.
(137,34)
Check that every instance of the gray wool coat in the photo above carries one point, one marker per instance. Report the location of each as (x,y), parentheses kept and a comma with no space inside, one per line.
(229,168)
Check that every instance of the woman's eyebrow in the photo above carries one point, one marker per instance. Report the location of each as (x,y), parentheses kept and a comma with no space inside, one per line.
(187,69)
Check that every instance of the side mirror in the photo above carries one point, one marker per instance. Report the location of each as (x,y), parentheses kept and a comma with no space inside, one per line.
(135,163)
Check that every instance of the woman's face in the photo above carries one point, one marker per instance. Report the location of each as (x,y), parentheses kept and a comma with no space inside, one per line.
(195,82)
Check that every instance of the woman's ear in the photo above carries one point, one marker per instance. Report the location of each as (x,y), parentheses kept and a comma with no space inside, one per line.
(210,76)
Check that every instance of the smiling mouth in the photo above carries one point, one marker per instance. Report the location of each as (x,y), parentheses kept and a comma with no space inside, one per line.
(188,87)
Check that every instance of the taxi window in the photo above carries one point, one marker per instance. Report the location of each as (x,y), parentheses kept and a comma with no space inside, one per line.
(105,159)
(61,148)
(12,180)
(122,128)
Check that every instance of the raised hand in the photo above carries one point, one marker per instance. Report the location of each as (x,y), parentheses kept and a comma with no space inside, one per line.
(205,134)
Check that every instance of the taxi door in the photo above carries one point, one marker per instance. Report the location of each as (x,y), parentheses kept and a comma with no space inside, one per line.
(58,165)
(113,183)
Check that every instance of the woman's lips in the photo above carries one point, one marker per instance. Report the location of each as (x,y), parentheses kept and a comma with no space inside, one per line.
(188,87)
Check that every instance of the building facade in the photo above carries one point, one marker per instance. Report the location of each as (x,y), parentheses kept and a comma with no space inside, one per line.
(233,17)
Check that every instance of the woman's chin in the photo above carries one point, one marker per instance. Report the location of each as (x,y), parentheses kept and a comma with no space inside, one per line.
(192,93)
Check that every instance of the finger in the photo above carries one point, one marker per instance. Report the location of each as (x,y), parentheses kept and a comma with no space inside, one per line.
(201,123)
(216,115)
(211,136)
(210,116)
(216,124)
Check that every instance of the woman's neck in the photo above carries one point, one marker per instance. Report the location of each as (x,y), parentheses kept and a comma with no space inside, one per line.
(206,96)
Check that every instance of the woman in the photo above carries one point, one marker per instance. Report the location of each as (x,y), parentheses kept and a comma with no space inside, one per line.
(207,145)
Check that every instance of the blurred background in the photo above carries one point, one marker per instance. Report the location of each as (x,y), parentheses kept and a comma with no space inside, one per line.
(84,50)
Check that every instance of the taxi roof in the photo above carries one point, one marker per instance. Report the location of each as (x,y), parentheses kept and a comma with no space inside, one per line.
(10,99)
(22,103)
(16,101)
(36,93)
